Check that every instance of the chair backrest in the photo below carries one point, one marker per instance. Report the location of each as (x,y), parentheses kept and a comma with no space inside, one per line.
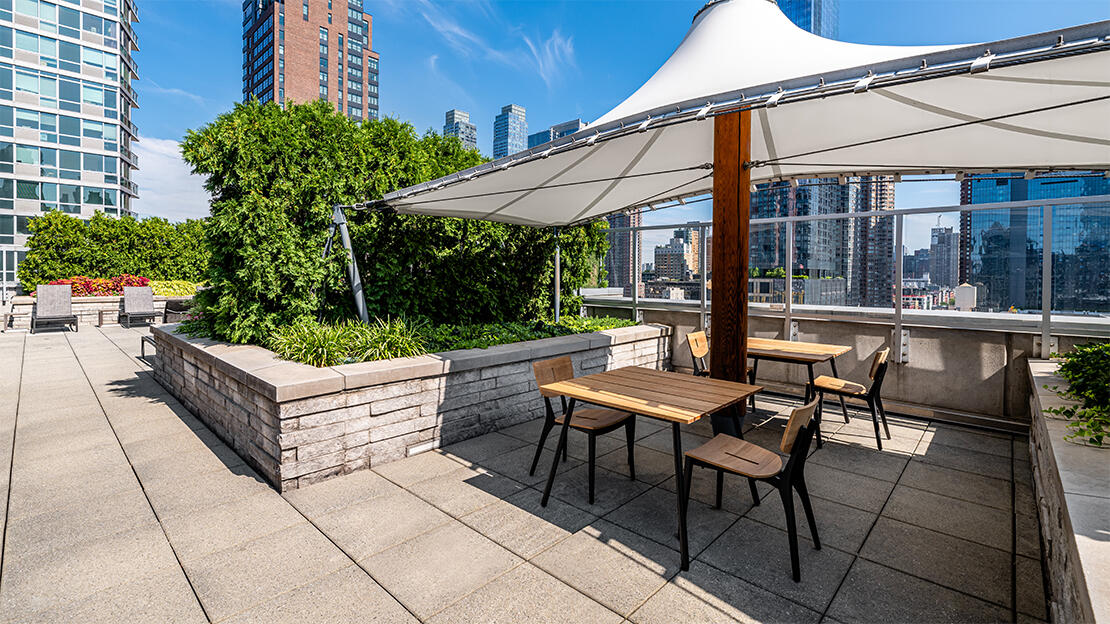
(797,439)
(800,417)
(53,300)
(879,361)
(551,371)
(138,299)
(699,348)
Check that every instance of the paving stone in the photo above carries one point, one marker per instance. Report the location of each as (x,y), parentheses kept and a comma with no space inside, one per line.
(868,462)
(31,494)
(348,595)
(838,525)
(970,439)
(198,534)
(1028,535)
(232,580)
(958,484)
(320,498)
(861,433)
(160,598)
(375,524)
(760,555)
(652,466)
(652,514)
(33,584)
(970,521)
(955,563)
(963,459)
(525,594)
(482,447)
(848,488)
(614,566)
(705,594)
(736,495)
(95,517)
(611,490)
(578,444)
(1030,588)
(464,490)
(174,494)
(515,464)
(663,441)
(522,526)
(405,472)
(874,593)
(435,569)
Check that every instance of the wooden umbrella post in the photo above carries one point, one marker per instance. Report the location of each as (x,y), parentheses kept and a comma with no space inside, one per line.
(732,200)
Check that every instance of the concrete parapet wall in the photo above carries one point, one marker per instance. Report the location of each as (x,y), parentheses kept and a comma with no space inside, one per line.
(298,424)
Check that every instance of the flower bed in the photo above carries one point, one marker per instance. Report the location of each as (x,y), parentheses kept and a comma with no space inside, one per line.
(82,286)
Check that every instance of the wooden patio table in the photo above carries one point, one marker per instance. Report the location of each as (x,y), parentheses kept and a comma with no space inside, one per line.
(672,397)
(791,352)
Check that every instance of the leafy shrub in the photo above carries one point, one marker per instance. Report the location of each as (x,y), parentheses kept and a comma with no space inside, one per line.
(1087,369)
(82,286)
(175,288)
(275,173)
(323,344)
(62,245)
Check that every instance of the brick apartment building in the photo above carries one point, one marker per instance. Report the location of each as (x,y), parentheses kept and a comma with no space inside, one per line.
(311,49)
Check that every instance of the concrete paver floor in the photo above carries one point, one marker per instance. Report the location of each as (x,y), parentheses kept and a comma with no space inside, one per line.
(119,506)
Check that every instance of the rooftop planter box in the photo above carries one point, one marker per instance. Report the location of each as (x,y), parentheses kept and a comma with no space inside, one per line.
(1072,485)
(298,424)
(90,310)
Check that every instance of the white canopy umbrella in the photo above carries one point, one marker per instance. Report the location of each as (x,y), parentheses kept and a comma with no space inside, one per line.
(821,108)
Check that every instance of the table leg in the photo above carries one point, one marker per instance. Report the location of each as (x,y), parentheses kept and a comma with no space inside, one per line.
(811,391)
(558,450)
(843,407)
(680,487)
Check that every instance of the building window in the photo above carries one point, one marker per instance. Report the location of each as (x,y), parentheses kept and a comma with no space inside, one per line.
(323,34)
(324,91)
(329,18)
(304,11)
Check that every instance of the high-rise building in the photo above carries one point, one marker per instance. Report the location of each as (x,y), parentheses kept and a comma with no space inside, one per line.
(555,132)
(671,260)
(510,131)
(819,246)
(691,235)
(65,108)
(944,257)
(871,266)
(1001,250)
(619,260)
(318,49)
(457,124)
(916,265)
(820,17)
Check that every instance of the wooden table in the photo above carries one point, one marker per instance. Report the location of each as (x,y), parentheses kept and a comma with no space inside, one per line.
(672,397)
(790,352)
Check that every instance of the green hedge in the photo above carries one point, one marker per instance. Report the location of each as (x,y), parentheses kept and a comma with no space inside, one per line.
(61,246)
(274,174)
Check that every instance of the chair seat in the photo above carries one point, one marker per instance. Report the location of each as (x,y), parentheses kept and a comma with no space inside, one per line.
(746,372)
(594,418)
(737,456)
(839,386)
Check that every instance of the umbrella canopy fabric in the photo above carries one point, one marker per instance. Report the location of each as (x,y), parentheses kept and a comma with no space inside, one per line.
(821,108)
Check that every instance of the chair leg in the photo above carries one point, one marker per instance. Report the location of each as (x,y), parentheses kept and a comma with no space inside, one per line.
(751,381)
(804,495)
(787,496)
(875,420)
(630,433)
(720,488)
(684,505)
(593,451)
(548,425)
(882,415)
(817,418)
(755,493)
(565,453)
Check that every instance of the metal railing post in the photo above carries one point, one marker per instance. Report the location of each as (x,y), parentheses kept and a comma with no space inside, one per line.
(635,274)
(1046,284)
(558,278)
(701,269)
(788,316)
(898,339)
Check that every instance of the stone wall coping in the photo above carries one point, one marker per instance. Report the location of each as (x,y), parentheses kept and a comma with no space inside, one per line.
(281,380)
(1085,480)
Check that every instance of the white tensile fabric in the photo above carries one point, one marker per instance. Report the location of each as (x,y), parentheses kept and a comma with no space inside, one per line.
(1040,111)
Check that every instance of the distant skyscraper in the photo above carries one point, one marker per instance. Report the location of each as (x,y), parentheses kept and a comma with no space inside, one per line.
(944,257)
(871,277)
(619,262)
(457,124)
(510,131)
(820,17)
(671,260)
(691,236)
(313,51)
(555,132)
(1001,250)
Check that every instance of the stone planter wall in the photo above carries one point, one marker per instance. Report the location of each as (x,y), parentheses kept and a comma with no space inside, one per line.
(297,424)
(87,309)
(1072,486)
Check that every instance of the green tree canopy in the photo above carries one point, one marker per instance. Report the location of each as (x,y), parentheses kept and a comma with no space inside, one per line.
(274,174)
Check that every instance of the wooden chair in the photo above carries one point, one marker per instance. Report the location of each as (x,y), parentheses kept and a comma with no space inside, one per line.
(844,388)
(593,421)
(725,453)
(699,348)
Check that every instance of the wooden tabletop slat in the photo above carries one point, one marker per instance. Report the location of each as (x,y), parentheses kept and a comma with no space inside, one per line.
(658,394)
(700,382)
(687,382)
(788,350)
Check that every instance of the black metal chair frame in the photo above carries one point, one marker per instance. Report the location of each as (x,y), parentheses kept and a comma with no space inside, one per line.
(872,398)
(789,479)
(549,423)
(701,370)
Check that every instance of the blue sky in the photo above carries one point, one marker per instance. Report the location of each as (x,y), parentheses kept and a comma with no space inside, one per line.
(558,59)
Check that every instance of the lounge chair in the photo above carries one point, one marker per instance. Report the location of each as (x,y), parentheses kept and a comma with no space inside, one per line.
(53,305)
(138,304)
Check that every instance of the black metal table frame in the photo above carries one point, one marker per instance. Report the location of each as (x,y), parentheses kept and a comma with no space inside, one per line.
(810,390)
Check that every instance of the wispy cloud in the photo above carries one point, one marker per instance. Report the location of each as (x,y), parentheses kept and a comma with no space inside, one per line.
(167,187)
(149,86)
(552,57)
